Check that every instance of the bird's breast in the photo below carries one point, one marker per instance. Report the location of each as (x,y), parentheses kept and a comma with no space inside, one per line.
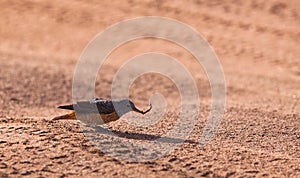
(97,119)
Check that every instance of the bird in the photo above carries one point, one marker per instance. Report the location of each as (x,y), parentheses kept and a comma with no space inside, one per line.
(108,110)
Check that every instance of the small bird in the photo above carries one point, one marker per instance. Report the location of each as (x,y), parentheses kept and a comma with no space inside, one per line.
(108,110)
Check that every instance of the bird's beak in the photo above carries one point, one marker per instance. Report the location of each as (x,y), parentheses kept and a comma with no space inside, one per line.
(140,111)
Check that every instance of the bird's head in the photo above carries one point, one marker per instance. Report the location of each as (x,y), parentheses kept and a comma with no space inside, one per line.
(125,105)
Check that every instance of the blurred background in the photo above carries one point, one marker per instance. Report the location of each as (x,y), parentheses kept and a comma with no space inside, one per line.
(256,42)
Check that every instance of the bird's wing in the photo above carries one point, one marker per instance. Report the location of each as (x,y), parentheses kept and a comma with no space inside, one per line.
(103,106)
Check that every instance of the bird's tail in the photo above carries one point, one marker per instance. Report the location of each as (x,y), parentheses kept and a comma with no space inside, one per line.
(69,107)
(69,116)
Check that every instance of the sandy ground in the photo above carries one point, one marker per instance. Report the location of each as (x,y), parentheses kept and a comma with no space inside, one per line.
(257,43)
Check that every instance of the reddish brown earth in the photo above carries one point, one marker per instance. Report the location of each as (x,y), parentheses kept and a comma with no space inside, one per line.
(257,43)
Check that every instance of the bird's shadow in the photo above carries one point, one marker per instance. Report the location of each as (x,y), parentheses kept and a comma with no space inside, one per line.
(139,136)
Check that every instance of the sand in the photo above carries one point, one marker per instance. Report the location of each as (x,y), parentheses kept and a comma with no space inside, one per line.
(257,43)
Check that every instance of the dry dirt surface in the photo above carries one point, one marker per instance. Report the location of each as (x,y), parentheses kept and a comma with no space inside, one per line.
(256,41)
